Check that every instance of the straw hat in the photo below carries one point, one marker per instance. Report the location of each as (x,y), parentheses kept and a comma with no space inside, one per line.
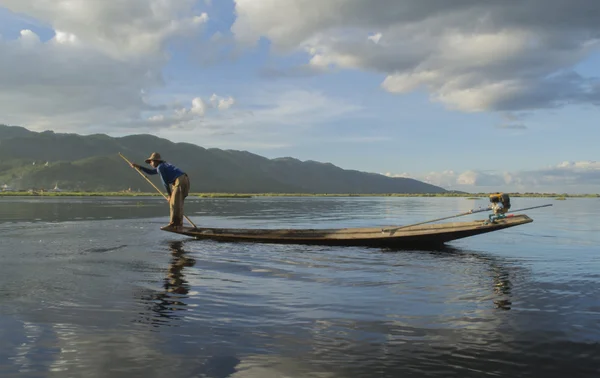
(155,156)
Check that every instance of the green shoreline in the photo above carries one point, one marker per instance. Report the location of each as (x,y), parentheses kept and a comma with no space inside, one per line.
(250,195)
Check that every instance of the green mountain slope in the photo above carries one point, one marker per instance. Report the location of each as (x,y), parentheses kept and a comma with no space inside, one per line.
(77,162)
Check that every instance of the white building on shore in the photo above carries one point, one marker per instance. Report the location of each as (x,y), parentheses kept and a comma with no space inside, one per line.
(55,189)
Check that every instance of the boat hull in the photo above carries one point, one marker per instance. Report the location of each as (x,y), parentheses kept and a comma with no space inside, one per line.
(394,236)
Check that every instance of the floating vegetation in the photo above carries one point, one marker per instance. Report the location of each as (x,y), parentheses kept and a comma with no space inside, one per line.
(222,195)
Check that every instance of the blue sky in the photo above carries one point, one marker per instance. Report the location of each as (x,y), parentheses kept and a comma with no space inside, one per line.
(472,96)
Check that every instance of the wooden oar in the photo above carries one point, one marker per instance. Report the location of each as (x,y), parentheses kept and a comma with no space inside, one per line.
(155,187)
(455,216)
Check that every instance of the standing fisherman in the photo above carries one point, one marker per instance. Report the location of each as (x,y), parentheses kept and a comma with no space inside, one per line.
(170,175)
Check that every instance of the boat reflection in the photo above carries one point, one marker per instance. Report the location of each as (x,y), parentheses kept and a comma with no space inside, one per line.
(166,305)
(500,273)
(502,286)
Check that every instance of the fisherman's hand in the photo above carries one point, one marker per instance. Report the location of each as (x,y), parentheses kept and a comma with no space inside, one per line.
(133,165)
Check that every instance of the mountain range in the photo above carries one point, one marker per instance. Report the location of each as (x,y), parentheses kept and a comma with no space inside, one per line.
(41,160)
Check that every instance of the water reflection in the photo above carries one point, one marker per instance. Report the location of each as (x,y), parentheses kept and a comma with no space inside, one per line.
(499,270)
(175,281)
(166,305)
(502,286)
(500,273)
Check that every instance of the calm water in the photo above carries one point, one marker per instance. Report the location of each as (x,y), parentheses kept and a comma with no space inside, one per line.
(92,288)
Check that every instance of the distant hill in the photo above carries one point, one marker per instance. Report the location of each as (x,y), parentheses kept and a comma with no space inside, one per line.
(91,163)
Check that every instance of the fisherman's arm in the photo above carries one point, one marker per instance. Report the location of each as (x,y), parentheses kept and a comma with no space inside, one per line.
(149,171)
(162,178)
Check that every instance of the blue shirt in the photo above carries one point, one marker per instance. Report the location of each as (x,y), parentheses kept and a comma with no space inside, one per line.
(168,174)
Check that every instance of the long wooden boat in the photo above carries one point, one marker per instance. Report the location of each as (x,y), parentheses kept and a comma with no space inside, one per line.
(394,236)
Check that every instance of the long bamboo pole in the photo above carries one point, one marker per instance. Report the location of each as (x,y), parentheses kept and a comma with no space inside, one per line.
(455,216)
(155,187)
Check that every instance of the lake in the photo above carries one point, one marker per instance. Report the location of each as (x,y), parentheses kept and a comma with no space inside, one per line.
(90,287)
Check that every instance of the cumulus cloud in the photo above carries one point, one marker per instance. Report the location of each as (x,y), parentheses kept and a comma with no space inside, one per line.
(469,55)
(567,174)
(221,103)
(271,118)
(375,38)
(444,179)
(572,177)
(189,117)
(477,178)
(61,80)
(100,67)
(120,28)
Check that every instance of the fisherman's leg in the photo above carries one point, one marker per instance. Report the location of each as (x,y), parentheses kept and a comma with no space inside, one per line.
(172,210)
(174,207)
(177,208)
(184,185)
(490,219)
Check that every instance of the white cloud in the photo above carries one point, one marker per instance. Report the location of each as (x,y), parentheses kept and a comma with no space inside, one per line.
(60,82)
(403,174)
(471,55)
(580,166)
(121,29)
(444,179)
(375,38)
(198,106)
(63,37)
(271,118)
(477,178)
(571,177)
(99,69)
(187,118)
(221,103)
(29,39)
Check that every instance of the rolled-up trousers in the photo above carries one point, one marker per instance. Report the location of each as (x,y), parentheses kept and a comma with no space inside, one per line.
(179,191)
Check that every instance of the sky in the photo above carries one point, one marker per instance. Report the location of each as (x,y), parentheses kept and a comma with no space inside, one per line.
(468,95)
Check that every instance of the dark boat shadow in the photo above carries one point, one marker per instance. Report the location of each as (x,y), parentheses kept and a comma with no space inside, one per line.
(441,249)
